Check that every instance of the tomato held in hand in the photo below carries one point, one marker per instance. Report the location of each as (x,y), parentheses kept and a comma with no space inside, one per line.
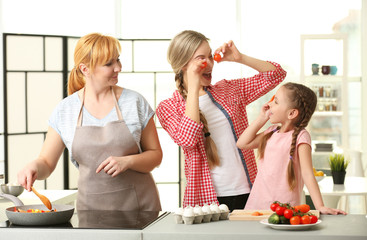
(204,64)
(295,220)
(217,57)
(280,210)
(288,213)
(313,219)
(274,206)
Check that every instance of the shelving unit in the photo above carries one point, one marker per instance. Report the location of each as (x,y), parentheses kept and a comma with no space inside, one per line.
(329,123)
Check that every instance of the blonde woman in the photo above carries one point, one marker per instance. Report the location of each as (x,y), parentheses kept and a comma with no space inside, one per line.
(108,130)
(206,120)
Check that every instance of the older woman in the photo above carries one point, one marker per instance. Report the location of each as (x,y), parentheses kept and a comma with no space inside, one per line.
(108,130)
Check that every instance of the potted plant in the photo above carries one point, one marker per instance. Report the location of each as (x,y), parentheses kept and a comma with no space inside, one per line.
(338,165)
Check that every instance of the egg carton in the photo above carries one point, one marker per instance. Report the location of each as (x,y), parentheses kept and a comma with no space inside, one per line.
(195,215)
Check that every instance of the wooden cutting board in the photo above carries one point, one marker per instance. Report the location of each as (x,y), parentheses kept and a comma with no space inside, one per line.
(240,215)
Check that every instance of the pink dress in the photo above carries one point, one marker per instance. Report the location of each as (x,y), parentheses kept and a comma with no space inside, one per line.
(271,182)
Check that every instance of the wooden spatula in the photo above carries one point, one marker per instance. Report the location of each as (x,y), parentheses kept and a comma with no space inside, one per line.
(44,199)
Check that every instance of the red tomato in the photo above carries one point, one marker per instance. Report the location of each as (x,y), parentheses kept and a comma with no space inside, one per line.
(313,219)
(288,213)
(274,206)
(305,219)
(217,57)
(280,210)
(204,64)
(295,220)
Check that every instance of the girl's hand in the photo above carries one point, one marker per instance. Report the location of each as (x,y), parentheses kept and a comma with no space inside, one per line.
(229,51)
(27,176)
(114,166)
(265,112)
(331,211)
(194,71)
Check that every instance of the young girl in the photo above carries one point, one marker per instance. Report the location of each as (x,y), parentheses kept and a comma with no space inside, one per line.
(285,163)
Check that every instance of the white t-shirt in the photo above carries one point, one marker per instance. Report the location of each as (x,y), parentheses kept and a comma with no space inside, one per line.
(135,110)
(229,179)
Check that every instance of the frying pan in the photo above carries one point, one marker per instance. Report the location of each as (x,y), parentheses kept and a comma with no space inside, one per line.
(62,214)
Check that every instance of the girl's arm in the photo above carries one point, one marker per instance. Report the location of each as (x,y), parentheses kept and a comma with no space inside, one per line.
(305,157)
(249,139)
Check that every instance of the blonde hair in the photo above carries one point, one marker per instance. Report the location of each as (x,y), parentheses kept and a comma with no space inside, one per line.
(304,100)
(93,49)
(180,51)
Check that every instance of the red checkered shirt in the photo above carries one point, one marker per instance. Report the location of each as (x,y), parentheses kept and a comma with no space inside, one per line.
(231,97)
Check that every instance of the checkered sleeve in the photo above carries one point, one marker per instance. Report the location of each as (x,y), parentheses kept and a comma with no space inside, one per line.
(258,85)
(182,129)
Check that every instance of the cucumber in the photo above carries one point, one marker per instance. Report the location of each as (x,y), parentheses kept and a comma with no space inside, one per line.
(274,219)
(284,220)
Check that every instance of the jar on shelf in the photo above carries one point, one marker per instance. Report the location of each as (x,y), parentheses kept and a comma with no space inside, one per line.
(321,91)
(327,105)
(320,106)
(328,91)
(334,93)
(334,105)
(316,90)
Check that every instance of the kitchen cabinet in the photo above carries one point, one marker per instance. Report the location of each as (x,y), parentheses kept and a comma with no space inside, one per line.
(324,69)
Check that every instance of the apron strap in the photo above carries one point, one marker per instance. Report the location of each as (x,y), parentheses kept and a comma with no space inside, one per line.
(118,111)
(80,117)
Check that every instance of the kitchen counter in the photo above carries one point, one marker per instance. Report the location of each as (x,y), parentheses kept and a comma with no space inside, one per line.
(332,227)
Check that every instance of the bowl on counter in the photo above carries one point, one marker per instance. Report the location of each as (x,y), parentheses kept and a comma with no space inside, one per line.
(12,189)
(319,178)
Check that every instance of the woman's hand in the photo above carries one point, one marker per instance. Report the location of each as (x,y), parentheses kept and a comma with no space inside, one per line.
(28,175)
(114,165)
(231,54)
(195,69)
(229,51)
(331,211)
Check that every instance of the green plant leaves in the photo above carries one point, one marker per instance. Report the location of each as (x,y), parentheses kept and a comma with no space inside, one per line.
(338,163)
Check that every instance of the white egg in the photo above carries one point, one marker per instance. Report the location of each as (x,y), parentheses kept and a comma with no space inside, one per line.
(198,210)
(214,208)
(206,209)
(223,208)
(179,211)
(188,212)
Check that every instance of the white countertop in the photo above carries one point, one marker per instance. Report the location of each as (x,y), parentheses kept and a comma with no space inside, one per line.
(351,186)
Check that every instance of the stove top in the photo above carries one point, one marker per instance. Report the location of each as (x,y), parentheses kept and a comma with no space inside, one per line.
(98,219)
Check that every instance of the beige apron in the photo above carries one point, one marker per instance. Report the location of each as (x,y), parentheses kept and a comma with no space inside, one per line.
(128,191)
